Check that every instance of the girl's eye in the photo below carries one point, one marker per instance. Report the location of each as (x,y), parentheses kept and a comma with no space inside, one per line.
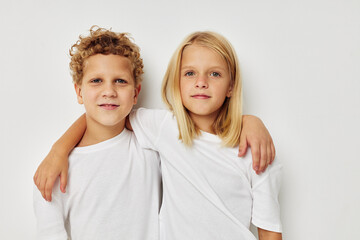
(215,74)
(97,80)
(120,81)
(189,74)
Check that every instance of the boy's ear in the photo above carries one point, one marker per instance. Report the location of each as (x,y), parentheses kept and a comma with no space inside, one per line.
(78,93)
(137,91)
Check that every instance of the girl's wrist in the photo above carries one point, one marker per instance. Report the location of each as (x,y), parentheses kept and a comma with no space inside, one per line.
(251,118)
(57,150)
(245,118)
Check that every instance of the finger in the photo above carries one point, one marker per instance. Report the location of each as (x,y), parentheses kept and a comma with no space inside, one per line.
(269,155)
(63,180)
(263,160)
(273,152)
(242,146)
(42,188)
(38,182)
(48,187)
(255,151)
(35,176)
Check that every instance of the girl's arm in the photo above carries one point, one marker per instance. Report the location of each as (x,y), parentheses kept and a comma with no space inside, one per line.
(255,135)
(267,235)
(56,162)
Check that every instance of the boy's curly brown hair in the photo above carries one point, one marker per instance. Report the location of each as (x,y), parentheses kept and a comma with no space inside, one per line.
(103,41)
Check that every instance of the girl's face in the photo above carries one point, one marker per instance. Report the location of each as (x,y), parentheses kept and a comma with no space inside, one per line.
(204,83)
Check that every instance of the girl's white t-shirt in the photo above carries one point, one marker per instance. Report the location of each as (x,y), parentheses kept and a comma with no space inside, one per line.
(208,191)
(113,192)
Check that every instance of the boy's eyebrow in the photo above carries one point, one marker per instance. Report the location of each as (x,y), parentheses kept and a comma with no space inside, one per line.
(101,72)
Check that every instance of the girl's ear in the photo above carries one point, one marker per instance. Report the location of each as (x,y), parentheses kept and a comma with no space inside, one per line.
(137,91)
(78,93)
(229,93)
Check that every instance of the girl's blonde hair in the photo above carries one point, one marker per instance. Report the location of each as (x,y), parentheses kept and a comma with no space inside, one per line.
(228,123)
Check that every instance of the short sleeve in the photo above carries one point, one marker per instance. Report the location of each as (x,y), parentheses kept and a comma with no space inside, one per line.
(49,215)
(266,207)
(147,125)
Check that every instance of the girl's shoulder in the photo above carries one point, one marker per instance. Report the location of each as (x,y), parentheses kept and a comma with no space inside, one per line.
(150,111)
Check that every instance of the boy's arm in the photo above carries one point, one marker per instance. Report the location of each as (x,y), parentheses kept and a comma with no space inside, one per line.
(267,235)
(56,162)
(50,216)
(255,134)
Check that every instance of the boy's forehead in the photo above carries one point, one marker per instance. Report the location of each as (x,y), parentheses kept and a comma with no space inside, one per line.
(104,63)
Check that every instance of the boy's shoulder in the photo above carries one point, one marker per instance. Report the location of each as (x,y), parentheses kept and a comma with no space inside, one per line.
(108,158)
(124,136)
(123,146)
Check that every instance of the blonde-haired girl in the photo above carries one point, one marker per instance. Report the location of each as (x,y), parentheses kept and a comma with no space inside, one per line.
(227,123)
(208,193)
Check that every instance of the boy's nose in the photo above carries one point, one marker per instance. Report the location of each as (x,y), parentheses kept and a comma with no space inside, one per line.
(109,91)
(201,82)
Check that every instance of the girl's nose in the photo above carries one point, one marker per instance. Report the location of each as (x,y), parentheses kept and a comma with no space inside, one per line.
(201,82)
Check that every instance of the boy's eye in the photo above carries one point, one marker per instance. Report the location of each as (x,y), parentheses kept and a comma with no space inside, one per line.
(120,81)
(189,74)
(97,80)
(215,74)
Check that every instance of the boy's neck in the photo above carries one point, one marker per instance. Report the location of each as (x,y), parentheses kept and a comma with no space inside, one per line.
(96,133)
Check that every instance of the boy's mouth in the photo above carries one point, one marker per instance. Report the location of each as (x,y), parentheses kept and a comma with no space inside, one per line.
(200,96)
(107,106)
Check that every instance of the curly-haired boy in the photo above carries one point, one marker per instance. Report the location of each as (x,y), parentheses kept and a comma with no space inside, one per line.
(114,185)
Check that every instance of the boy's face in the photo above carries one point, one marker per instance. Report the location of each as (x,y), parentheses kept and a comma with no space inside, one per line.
(107,90)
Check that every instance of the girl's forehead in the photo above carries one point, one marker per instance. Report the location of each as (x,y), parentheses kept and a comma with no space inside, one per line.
(196,50)
(195,45)
(201,53)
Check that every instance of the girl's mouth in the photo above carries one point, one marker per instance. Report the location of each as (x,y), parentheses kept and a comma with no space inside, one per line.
(200,96)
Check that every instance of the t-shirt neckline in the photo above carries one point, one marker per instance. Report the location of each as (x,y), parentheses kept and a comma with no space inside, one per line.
(104,144)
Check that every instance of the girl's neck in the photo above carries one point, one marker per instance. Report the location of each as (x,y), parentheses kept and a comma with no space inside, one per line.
(96,133)
(204,123)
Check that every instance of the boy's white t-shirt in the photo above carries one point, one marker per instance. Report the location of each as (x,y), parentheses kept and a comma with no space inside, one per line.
(113,192)
(209,192)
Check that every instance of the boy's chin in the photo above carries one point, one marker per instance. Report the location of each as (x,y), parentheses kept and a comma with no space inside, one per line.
(110,123)
(113,124)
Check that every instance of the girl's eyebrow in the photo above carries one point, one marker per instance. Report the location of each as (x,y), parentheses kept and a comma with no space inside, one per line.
(212,67)
(185,67)
(219,67)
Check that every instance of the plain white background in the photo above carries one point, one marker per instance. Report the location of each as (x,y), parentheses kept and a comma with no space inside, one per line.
(300,64)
